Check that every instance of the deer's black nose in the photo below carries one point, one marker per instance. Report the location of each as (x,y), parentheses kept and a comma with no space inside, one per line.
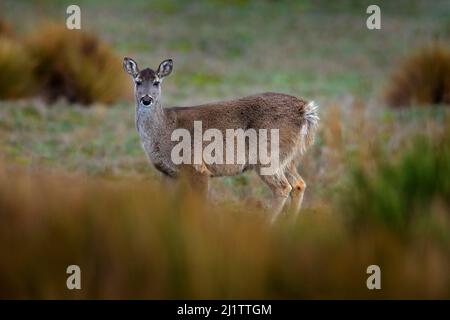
(146,100)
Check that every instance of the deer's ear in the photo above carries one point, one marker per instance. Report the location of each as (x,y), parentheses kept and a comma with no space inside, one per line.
(130,67)
(165,68)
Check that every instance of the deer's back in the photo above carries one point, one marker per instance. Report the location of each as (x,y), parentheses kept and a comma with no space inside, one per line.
(261,111)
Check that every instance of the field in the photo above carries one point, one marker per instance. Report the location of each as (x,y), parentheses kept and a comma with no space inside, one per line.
(76,187)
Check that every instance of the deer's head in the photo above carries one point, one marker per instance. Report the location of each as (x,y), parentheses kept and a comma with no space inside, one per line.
(147,82)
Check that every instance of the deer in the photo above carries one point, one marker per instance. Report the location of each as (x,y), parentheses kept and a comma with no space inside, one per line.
(295,119)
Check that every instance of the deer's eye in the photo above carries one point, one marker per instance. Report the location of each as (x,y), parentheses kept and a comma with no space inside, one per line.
(138,82)
(156,83)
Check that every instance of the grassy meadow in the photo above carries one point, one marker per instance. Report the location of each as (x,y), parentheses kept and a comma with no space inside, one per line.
(76,187)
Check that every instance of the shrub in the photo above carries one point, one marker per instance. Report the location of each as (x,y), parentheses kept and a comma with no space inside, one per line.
(424,78)
(75,65)
(15,70)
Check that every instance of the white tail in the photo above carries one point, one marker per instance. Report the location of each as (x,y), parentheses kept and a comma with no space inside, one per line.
(309,128)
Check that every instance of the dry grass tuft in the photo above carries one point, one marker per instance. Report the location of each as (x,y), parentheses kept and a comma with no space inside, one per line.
(76,65)
(424,78)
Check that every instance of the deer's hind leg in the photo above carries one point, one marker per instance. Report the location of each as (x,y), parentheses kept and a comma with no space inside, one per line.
(298,187)
(280,188)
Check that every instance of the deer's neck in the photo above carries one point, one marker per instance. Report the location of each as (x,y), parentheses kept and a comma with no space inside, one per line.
(150,120)
(154,127)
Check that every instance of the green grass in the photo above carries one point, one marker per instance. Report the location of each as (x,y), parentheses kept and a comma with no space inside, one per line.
(72,138)
(223,49)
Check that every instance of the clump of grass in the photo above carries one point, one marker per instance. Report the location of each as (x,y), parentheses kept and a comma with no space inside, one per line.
(15,70)
(75,65)
(401,191)
(424,78)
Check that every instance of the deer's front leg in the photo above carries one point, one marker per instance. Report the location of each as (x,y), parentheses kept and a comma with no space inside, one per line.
(200,184)
(198,180)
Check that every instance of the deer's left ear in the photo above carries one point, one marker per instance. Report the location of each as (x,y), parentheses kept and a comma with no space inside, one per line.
(165,68)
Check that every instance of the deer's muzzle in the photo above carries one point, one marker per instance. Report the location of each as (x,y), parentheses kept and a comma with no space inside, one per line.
(146,100)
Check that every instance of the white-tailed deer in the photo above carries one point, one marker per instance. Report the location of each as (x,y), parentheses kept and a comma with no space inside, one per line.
(294,119)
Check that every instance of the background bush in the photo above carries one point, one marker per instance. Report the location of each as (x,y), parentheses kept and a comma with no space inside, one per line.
(75,65)
(15,70)
(424,78)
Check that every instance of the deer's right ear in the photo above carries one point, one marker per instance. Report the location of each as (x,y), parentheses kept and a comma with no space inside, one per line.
(130,67)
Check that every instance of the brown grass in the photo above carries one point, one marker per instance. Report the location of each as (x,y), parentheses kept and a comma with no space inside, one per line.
(132,240)
(75,65)
(423,79)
